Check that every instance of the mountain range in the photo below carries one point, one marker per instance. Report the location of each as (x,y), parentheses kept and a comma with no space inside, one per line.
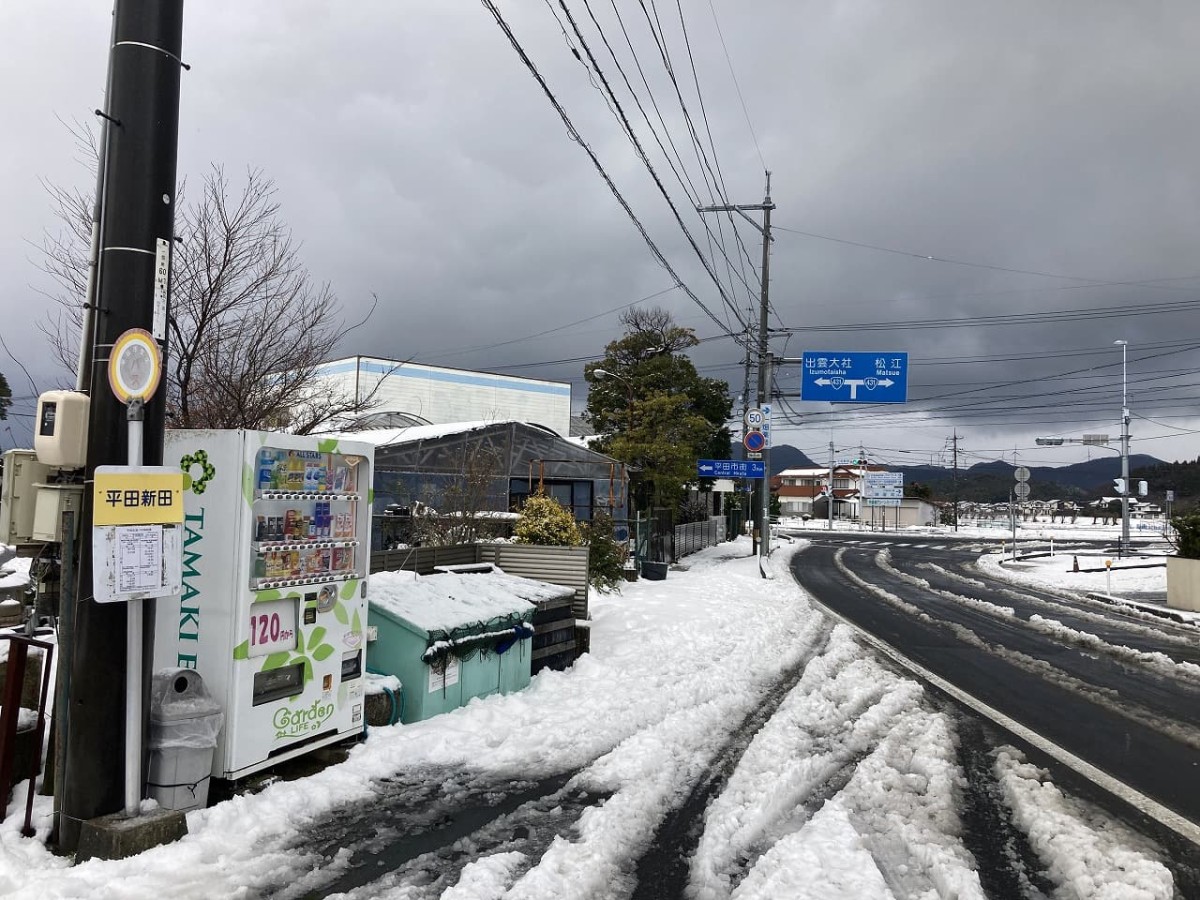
(991,481)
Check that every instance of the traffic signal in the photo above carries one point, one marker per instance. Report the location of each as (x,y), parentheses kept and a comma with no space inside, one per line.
(1119,484)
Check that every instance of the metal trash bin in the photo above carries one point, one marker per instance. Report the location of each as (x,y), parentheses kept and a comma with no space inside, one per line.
(184,723)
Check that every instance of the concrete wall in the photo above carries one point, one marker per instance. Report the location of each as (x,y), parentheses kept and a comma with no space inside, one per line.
(1183,583)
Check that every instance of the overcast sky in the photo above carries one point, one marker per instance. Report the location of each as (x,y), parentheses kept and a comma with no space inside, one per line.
(418,159)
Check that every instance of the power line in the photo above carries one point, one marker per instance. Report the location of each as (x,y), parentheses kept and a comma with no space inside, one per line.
(737,87)
(641,152)
(575,136)
(1032,318)
(441,354)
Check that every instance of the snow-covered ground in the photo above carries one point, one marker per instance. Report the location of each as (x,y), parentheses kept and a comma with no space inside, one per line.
(851,789)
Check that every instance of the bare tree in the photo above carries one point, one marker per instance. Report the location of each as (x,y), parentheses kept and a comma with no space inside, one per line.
(248,328)
(456,505)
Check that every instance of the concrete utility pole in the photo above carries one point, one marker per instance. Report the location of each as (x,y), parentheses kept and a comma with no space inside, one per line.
(955,480)
(137,227)
(763,490)
(1124,548)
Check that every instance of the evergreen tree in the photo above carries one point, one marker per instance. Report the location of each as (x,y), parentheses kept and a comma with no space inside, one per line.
(5,397)
(653,410)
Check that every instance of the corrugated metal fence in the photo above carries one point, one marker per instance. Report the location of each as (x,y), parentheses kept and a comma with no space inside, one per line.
(567,566)
(698,535)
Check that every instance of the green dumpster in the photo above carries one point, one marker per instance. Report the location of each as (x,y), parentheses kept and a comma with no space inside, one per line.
(452,636)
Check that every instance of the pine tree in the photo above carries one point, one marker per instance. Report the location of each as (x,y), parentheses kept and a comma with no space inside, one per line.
(653,410)
(5,397)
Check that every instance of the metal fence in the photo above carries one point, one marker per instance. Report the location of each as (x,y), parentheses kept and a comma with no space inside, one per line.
(698,535)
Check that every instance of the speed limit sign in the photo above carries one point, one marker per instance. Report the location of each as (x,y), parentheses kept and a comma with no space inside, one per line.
(754,418)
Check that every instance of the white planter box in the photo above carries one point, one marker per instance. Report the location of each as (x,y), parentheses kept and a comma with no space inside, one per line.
(1183,583)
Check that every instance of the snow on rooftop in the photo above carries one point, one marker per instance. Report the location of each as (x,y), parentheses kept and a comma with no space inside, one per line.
(450,600)
(383,437)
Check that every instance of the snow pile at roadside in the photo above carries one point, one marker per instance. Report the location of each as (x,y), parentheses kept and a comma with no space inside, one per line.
(848,722)
(674,665)
(1089,855)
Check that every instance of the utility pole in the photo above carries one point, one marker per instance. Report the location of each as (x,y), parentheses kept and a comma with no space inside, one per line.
(1124,547)
(954,480)
(829,499)
(763,489)
(137,227)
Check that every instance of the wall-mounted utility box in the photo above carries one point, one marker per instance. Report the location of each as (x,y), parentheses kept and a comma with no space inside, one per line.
(52,501)
(61,433)
(18,495)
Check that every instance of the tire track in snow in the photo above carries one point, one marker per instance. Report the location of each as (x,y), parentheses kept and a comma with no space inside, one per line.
(1107,698)
(662,871)
(1156,662)
(853,749)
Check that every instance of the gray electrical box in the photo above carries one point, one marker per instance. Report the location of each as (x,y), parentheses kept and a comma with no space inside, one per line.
(18,495)
(52,501)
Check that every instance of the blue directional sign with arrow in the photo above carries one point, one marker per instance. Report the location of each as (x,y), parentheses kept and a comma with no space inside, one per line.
(730,468)
(854,377)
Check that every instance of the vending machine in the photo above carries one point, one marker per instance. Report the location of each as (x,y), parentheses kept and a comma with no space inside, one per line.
(276,550)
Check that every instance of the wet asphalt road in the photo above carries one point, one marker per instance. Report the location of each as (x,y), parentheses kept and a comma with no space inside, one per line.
(1136,724)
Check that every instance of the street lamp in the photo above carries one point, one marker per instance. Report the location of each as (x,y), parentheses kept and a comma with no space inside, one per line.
(605,373)
(1124,547)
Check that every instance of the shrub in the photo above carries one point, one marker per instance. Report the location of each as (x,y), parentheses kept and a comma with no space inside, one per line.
(1187,535)
(547,522)
(694,510)
(606,556)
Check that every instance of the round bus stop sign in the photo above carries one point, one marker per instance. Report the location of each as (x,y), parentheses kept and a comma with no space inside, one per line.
(135,366)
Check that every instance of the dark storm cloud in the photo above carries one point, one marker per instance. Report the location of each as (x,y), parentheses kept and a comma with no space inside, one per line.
(419,161)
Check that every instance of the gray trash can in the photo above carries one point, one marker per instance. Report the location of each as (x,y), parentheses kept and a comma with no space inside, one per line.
(184,723)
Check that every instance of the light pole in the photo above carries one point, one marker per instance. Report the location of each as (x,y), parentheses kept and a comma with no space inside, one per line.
(605,373)
(1124,545)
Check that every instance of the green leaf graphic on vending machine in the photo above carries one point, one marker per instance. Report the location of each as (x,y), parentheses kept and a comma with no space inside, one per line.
(339,613)
(242,650)
(315,637)
(356,622)
(327,445)
(349,588)
(322,653)
(275,660)
(248,483)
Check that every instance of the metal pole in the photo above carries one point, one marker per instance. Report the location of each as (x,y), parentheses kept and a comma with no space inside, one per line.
(1012,518)
(133,652)
(829,498)
(1123,548)
(764,509)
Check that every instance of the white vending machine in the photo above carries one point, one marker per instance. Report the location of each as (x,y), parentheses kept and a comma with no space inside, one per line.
(273,612)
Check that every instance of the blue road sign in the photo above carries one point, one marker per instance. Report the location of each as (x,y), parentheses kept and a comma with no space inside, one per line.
(730,468)
(854,377)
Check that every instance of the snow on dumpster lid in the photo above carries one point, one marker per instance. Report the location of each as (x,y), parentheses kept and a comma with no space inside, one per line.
(450,600)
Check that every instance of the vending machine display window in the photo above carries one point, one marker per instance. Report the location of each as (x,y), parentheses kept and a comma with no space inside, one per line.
(306,518)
